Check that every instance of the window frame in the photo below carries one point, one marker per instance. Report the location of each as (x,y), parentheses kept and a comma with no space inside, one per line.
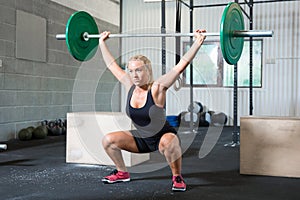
(221,64)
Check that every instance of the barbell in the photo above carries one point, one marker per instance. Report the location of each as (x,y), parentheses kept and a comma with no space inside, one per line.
(82,34)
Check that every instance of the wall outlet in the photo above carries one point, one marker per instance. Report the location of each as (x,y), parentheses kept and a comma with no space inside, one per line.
(0,63)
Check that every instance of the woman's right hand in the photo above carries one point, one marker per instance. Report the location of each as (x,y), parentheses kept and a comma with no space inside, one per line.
(104,36)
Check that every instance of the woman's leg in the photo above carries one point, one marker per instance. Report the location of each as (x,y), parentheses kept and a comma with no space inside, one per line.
(114,142)
(169,146)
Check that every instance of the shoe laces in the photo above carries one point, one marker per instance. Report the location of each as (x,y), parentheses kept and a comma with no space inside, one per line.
(178,179)
(114,172)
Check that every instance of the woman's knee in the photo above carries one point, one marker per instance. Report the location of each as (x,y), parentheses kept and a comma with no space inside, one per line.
(117,140)
(108,140)
(169,141)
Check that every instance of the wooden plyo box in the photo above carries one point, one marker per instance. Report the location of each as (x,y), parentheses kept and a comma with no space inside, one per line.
(270,146)
(85,131)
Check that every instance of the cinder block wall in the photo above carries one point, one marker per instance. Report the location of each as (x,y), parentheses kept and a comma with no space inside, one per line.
(32,91)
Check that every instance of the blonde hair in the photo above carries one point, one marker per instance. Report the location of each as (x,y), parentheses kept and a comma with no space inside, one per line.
(147,65)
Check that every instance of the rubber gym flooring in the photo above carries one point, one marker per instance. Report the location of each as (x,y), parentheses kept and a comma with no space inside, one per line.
(37,169)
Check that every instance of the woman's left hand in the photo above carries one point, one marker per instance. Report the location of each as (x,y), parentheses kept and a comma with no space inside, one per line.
(200,37)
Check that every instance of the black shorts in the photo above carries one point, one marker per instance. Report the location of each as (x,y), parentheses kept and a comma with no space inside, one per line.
(150,144)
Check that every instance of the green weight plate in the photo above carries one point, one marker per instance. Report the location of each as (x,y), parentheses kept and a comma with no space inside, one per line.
(232,20)
(79,23)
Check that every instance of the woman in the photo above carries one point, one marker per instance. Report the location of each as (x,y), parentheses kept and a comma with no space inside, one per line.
(145,107)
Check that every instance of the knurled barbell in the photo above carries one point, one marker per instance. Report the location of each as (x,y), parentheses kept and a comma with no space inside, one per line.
(82,34)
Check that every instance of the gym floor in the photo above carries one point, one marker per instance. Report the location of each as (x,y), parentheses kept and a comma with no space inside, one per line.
(37,170)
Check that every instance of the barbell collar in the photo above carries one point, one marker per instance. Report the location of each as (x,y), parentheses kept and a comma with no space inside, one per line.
(252,33)
(3,146)
(60,36)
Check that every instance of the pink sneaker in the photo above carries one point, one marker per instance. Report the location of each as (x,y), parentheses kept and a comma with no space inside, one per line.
(178,184)
(116,176)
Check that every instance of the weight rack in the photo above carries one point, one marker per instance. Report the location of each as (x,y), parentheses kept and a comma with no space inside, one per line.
(250,3)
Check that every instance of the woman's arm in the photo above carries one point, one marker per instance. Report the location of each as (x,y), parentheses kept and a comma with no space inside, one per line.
(111,63)
(169,78)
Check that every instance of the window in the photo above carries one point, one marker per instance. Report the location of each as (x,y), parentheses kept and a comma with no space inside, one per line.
(211,70)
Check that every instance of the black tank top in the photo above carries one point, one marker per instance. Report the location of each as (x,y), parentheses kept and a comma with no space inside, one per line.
(149,120)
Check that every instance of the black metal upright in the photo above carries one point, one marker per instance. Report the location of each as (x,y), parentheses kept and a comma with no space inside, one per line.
(251,59)
(191,66)
(235,134)
(163,39)
(178,30)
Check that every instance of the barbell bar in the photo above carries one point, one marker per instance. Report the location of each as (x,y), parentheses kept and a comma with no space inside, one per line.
(82,32)
(249,33)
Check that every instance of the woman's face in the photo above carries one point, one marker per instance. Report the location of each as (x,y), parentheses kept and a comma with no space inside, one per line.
(138,72)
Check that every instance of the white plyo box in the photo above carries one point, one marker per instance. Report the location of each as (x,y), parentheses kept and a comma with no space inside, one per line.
(270,146)
(85,131)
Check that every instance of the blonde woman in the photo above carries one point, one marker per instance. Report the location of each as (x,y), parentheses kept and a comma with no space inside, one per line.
(145,106)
